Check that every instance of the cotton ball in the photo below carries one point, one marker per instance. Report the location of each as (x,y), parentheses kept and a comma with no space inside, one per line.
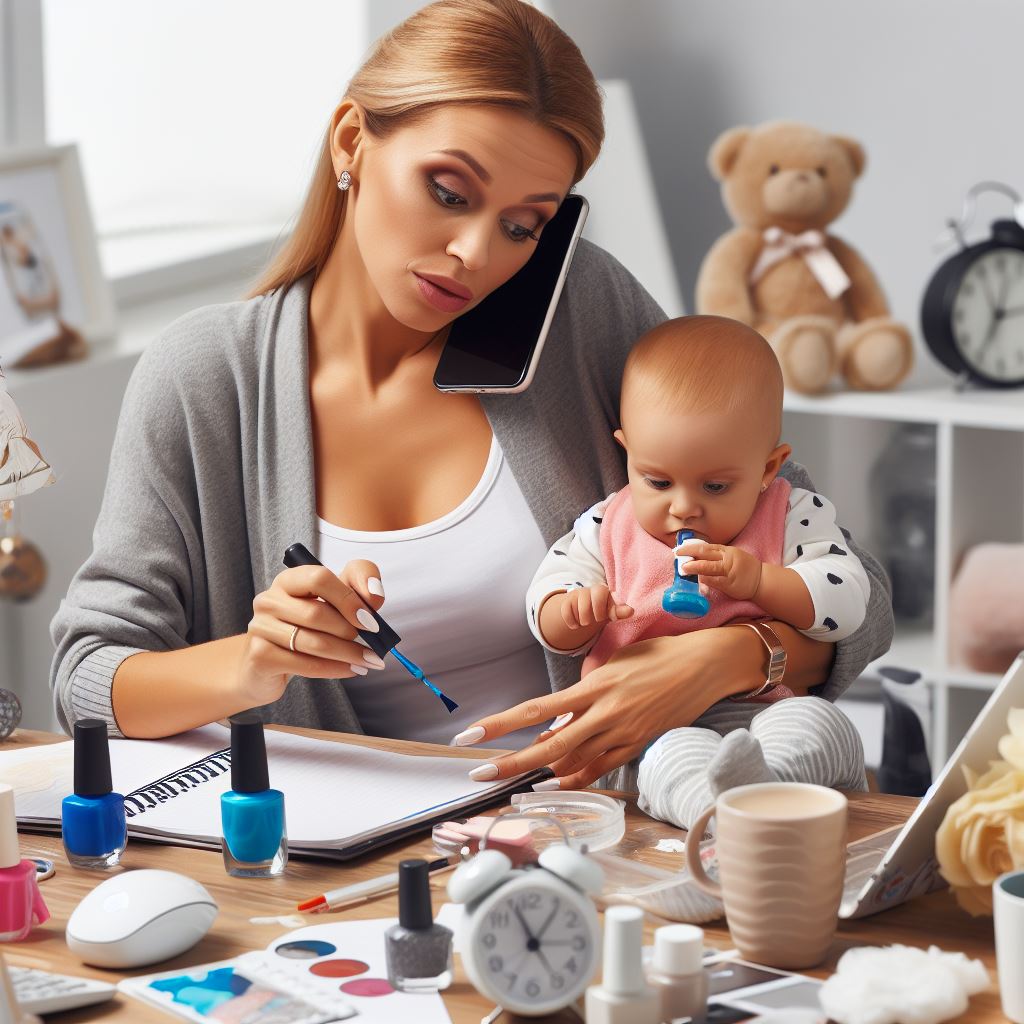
(901,985)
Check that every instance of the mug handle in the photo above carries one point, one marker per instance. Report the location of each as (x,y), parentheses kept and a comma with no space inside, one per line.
(693,838)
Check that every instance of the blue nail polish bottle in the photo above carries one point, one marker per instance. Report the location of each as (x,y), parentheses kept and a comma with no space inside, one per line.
(93,823)
(251,813)
(684,598)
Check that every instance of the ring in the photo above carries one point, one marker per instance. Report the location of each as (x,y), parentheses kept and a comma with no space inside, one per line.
(291,642)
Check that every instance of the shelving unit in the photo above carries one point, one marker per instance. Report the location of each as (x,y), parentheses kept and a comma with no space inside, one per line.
(979,476)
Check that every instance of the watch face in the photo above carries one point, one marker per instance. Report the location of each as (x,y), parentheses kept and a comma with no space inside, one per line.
(534,946)
(988,316)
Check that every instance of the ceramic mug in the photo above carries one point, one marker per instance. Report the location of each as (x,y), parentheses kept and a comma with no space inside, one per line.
(781,850)
(1008,911)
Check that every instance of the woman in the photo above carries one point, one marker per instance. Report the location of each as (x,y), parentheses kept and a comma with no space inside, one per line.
(307,413)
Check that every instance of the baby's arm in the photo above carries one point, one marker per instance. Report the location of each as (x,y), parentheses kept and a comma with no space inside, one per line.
(568,603)
(816,550)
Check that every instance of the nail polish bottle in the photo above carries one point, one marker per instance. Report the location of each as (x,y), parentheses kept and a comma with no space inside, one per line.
(623,997)
(677,972)
(21,903)
(419,952)
(93,824)
(251,813)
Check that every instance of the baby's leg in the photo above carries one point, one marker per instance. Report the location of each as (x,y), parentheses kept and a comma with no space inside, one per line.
(808,739)
(673,776)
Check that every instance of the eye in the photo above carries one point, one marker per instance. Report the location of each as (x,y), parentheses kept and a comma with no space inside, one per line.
(774,169)
(712,487)
(445,196)
(658,485)
(518,233)
(822,172)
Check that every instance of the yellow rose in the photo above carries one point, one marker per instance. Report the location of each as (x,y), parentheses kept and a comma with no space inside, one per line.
(982,834)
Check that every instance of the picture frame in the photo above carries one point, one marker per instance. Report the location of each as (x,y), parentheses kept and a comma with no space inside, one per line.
(54,298)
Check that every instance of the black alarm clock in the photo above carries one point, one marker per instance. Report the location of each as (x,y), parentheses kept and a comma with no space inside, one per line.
(972,313)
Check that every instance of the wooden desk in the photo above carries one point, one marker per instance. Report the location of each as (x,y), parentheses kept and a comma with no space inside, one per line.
(931,920)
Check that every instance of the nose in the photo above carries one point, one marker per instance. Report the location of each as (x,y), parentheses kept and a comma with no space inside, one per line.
(684,506)
(471,244)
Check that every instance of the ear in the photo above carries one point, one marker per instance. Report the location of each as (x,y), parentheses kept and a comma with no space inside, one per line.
(854,151)
(621,438)
(774,463)
(347,136)
(724,151)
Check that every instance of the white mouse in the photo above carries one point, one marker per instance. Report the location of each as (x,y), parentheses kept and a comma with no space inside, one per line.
(140,917)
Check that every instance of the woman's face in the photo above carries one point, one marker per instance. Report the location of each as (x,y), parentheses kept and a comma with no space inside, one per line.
(449,208)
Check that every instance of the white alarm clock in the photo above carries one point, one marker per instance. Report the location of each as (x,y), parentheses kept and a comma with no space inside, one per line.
(529,937)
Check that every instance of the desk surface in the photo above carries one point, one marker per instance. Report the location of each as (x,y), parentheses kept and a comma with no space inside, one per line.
(930,920)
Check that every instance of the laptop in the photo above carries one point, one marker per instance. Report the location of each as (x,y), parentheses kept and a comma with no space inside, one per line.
(891,867)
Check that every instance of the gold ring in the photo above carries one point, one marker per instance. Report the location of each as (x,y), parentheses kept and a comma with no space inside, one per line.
(291,643)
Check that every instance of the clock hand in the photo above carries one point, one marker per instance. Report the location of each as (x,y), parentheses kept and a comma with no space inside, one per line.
(1013,311)
(989,297)
(526,928)
(544,960)
(988,339)
(544,927)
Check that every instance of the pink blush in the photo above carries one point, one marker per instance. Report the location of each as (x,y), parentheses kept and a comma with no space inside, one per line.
(367,987)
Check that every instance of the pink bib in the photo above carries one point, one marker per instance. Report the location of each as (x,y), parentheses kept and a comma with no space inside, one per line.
(639,568)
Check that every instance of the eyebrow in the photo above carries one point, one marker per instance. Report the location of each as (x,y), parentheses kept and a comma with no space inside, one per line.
(485,177)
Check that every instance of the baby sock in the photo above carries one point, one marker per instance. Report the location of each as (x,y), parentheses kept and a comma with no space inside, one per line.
(739,761)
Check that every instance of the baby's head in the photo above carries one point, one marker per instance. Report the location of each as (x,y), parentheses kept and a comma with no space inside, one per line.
(701,414)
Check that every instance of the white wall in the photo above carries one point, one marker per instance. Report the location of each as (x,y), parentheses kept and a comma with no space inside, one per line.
(930,87)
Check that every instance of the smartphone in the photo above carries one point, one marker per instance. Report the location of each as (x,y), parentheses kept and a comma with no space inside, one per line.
(496,346)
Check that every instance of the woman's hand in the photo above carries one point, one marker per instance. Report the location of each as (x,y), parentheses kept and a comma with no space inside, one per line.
(327,610)
(641,692)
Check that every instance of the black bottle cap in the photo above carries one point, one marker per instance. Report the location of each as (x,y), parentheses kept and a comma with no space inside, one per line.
(92,758)
(414,910)
(248,754)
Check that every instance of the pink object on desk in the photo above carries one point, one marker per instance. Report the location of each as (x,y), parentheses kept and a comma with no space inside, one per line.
(21,902)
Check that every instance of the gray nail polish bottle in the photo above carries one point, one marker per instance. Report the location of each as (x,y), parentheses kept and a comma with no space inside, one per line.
(419,952)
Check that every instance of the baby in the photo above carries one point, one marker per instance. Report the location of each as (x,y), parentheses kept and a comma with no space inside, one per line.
(701,415)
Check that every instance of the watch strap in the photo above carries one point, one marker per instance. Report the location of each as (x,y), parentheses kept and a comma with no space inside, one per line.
(777,659)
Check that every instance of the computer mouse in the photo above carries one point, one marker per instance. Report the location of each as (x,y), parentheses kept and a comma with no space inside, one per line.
(140,917)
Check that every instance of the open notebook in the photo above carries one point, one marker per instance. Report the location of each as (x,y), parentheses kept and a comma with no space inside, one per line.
(341,799)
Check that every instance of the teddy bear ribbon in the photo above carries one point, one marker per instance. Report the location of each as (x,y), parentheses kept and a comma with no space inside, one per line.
(780,245)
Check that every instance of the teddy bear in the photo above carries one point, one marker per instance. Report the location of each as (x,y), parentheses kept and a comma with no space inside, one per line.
(810,293)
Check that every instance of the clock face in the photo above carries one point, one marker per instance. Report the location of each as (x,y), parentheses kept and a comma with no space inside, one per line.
(988,315)
(533,946)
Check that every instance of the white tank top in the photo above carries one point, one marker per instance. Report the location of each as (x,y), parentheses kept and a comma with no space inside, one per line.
(455,591)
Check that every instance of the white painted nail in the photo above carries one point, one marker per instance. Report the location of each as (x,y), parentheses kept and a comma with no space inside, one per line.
(469,736)
(560,722)
(546,786)
(359,670)
(367,621)
(373,660)
(484,772)
(374,586)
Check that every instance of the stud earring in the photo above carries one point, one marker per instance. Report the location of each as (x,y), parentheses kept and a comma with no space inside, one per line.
(345,181)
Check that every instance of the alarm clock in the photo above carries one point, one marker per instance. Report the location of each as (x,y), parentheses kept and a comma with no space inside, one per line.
(972,313)
(529,936)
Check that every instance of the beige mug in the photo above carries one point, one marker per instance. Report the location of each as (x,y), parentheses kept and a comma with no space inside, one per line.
(781,850)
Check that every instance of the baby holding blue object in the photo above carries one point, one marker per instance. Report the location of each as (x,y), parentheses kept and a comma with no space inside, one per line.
(701,418)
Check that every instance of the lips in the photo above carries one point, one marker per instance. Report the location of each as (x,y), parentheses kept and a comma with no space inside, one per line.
(443,293)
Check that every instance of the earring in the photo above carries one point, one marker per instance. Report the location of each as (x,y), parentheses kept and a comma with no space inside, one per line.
(345,181)
(764,487)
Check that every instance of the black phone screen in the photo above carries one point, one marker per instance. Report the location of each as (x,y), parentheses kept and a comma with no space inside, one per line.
(492,345)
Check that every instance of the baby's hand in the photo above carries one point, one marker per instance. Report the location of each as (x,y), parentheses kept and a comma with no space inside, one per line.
(589,606)
(733,571)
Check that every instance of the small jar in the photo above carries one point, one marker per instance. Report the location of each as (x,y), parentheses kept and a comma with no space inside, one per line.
(677,972)
(419,952)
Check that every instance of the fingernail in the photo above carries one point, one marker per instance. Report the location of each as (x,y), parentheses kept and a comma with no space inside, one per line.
(374,586)
(469,736)
(484,772)
(359,670)
(373,660)
(367,621)
(560,721)
(546,786)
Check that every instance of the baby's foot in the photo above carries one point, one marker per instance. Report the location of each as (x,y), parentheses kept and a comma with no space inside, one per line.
(739,761)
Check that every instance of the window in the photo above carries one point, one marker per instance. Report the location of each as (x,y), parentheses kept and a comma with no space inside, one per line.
(198,123)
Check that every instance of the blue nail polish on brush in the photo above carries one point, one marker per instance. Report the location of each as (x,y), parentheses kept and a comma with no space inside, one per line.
(93,823)
(684,598)
(252,814)
(384,641)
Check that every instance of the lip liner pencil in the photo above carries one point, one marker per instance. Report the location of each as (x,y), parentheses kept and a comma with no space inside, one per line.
(361,891)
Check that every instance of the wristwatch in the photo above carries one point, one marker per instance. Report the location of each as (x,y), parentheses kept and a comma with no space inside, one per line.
(776,659)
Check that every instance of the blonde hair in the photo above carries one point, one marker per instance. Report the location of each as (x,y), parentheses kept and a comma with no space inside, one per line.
(702,363)
(498,52)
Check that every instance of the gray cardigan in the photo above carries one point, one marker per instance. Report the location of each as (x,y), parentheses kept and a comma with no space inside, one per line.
(211,478)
